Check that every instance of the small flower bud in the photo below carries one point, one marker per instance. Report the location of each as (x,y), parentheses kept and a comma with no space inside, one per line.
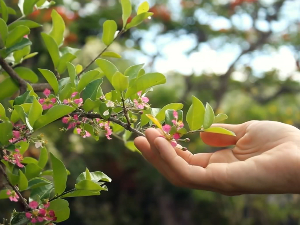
(187,140)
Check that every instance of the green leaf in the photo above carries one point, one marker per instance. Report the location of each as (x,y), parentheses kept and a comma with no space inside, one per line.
(144,7)
(62,64)
(209,116)
(35,112)
(72,73)
(88,185)
(61,209)
(27,160)
(8,87)
(5,132)
(130,145)
(43,159)
(16,35)
(133,71)
(58,27)
(3,194)
(126,135)
(108,68)
(19,54)
(18,46)
(11,11)
(23,182)
(27,74)
(104,110)
(59,174)
(109,30)
(4,10)
(52,48)
(38,182)
(138,19)
(126,11)
(19,219)
(3,33)
(111,54)
(81,193)
(119,81)
(31,55)
(195,114)
(161,115)
(53,114)
(219,130)
(28,6)
(91,90)
(32,170)
(51,78)
(22,146)
(220,117)
(24,98)
(87,174)
(15,115)
(66,91)
(95,177)
(2,112)
(41,192)
(27,23)
(87,78)
(90,104)
(144,82)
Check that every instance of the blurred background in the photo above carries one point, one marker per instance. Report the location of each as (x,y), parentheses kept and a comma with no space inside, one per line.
(241,56)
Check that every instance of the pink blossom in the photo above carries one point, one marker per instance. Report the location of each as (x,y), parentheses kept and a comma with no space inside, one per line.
(46,92)
(176,136)
(65,119)
(74,94)
(167,128)
(83,133)
(141,102)
(47,103)
(12,195)
(75,117)
(16,134)
(40,214)
(71,125)
(107,129)
(78,101)
(13,157)
(175,114)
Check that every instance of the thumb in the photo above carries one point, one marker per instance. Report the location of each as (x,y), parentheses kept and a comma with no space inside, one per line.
(221,140)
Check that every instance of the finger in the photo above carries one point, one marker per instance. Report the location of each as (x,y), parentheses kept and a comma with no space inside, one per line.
(220,140)
(200,159)
(153,156)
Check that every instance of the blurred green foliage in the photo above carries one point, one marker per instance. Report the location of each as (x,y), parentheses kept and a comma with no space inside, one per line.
(138,194)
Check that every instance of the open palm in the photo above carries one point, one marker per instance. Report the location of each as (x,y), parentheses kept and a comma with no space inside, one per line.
(264,158)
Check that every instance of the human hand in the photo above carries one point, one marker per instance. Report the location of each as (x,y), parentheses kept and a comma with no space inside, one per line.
(265,158)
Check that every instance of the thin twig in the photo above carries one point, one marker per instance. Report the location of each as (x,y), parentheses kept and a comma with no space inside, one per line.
(125,112)
(62,194)
(22,83)
(84,69)
(23,200)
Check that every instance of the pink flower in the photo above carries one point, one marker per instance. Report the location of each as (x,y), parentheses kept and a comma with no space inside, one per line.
(74,94)
(167,128)
(176,136)
(175,114)
(106,127)
(83,133)
(66,120)
(141,102)
(13,157)
(46,92)
(78,101)
(75,117)
(40,214)
(12,195)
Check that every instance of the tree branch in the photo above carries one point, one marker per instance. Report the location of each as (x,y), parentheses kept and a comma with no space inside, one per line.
(119,34)
(22,83)
(23,200)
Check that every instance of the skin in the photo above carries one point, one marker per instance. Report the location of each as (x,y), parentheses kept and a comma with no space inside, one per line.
(264,157)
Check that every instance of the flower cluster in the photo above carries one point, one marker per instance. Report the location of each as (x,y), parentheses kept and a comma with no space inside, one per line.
(141,102)
(13,157)
(105,126)
(73,100)
(40,214)
(173,131)
(47,102)
(12,195)
(19,131)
